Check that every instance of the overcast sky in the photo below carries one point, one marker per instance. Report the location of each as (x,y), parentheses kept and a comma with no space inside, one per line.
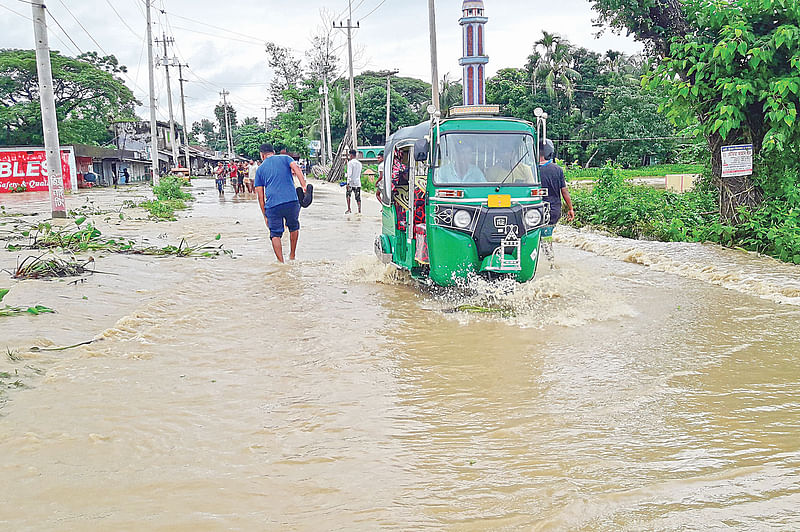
(222,41)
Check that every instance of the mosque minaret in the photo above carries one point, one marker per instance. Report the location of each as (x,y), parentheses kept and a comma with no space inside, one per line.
(475,59)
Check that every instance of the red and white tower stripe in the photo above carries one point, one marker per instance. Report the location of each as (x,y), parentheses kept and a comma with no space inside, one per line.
(475,58)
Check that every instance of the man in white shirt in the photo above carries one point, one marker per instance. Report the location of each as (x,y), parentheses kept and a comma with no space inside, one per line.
(354,167)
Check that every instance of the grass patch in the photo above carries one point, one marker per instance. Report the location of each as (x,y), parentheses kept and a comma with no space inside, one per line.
(169,188)
(163,209)
(41,268)
(572,172)
(639,211)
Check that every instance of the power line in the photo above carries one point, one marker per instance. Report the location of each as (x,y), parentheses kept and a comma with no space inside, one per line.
(122,19)
(83,28)
(374,9)
(64,31)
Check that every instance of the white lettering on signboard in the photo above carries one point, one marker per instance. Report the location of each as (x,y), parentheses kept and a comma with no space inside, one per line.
(737,160)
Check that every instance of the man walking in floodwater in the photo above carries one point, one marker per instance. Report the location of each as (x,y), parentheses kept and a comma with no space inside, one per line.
(354,168)
(552,177)
(277,198)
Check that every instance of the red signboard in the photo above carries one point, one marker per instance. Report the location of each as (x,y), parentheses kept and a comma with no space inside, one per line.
(27,167)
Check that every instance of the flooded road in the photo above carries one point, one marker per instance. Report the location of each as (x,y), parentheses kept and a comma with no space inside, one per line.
(637,386)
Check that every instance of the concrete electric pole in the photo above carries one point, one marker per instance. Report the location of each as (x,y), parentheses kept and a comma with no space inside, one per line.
(153,127)
(52,148)
(166,62)
(183,115)
(329,143)
(389,102)
(323,152)
(224,95)
(265,119)
(350,28)
(434,56)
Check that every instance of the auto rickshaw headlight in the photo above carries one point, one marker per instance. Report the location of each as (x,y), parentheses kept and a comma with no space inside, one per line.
(533,217)
(462,219)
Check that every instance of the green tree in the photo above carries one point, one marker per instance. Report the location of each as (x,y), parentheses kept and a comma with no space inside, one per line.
(219,113)
(248,139)
(551,64)
(89,97)
(286,73)
(630,113)
(371,112)
(731,68)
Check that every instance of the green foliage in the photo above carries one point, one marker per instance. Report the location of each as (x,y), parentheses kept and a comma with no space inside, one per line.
(169,188)
(89,97)
(367,183)
(608,103)
(637,211)
(163,209)
(371,111)
(8,310)
(657,170)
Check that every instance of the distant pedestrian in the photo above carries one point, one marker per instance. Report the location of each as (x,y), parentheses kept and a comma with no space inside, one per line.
(234,176)
(241,172)
(126,175)
(552,177)
(251,176)
(277,197)
(354,168)
(219,176)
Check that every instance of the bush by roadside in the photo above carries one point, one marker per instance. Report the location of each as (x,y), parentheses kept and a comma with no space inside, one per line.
(638,211)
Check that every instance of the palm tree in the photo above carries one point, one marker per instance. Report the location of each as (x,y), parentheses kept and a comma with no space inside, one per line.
(553,64)
(449,95)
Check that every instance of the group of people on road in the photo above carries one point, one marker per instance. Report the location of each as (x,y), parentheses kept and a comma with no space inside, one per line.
(280,202)
(240,175)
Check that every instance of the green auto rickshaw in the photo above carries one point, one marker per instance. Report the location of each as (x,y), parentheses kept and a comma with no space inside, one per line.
(462,197)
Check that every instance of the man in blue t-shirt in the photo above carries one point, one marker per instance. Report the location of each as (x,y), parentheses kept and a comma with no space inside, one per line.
(277,197)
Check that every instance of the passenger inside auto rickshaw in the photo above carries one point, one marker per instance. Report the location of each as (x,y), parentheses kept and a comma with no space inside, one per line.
(400,186)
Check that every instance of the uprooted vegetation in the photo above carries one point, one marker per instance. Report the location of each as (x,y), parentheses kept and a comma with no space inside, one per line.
(51,268)
(9,310)
(88,237)
(169,198)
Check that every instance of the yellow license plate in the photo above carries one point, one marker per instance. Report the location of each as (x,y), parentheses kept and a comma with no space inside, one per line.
(499,200)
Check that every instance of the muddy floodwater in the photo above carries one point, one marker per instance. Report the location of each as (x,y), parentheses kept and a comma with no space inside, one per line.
(638,386)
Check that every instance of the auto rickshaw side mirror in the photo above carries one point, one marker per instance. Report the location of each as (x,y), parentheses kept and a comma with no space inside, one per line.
(421,149)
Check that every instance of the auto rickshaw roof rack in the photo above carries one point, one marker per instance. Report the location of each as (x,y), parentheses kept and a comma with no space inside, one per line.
(472,110)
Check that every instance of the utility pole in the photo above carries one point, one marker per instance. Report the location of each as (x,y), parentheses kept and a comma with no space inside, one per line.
(224,95)
(52,148)
(265,119)
(329,142)
(153,128)
(183,115)
(322,149)
(389,102)
(166,62)
(434,56)
(350,29)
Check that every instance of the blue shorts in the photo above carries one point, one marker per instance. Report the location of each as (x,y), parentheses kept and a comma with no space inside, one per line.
(287,214)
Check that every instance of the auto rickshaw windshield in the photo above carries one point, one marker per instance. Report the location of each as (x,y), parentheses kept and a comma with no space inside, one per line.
(486,158)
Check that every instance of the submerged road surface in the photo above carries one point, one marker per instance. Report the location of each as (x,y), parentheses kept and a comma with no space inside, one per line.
(639,386)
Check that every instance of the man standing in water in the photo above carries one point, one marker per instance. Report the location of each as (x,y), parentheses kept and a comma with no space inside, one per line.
(354,168)
(277,197)
(552,177)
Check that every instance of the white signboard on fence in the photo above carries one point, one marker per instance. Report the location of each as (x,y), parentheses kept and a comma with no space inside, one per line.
(737,160)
